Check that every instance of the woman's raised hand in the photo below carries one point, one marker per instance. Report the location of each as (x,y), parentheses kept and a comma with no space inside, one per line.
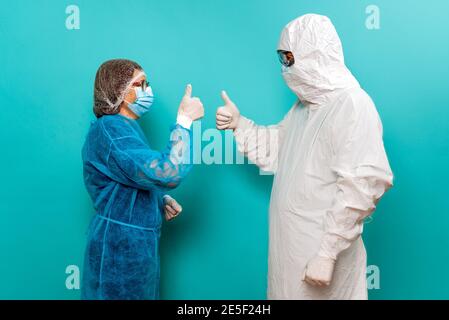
(191,107)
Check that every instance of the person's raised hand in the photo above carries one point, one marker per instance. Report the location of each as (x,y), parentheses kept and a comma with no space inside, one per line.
(228,115)
(191,107)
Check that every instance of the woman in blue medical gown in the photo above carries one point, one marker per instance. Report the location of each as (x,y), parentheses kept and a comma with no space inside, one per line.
(127,181)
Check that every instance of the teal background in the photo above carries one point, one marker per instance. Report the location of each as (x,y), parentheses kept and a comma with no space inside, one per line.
(217,248)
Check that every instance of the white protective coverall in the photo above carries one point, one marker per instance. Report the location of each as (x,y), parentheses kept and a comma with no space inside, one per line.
(330,170)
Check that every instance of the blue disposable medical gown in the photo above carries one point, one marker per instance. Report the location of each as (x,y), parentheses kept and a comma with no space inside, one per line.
(126,180)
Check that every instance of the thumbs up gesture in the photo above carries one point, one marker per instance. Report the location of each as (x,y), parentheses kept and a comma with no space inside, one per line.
(227,116)
(190,107)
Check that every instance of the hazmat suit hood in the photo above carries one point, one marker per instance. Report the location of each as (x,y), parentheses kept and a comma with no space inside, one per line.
(319,70)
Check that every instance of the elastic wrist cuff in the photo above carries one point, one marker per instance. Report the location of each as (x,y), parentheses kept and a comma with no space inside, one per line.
(184,121)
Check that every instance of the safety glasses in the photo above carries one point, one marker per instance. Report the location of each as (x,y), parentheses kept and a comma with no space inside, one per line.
(286,58)
(143,84)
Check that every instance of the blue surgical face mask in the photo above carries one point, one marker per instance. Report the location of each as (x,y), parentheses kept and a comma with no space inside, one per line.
(143,102)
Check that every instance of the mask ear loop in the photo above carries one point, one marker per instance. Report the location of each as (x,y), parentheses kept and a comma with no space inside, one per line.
(122,96)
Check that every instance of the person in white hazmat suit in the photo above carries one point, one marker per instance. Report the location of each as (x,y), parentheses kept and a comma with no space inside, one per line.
(329,163)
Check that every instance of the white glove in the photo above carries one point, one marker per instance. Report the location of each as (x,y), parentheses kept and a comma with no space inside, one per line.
(319,271)
(171,208)
(227,116)
(190,109)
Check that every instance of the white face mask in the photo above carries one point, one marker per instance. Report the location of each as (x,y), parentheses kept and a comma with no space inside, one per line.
(284,69)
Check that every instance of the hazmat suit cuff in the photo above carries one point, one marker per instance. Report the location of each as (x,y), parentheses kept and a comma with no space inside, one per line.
(166,198)
(332,245)
(326,255)
(244,123)
(241,132)
(184,121)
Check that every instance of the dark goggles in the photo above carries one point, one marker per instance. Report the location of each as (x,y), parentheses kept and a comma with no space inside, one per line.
(286,58)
